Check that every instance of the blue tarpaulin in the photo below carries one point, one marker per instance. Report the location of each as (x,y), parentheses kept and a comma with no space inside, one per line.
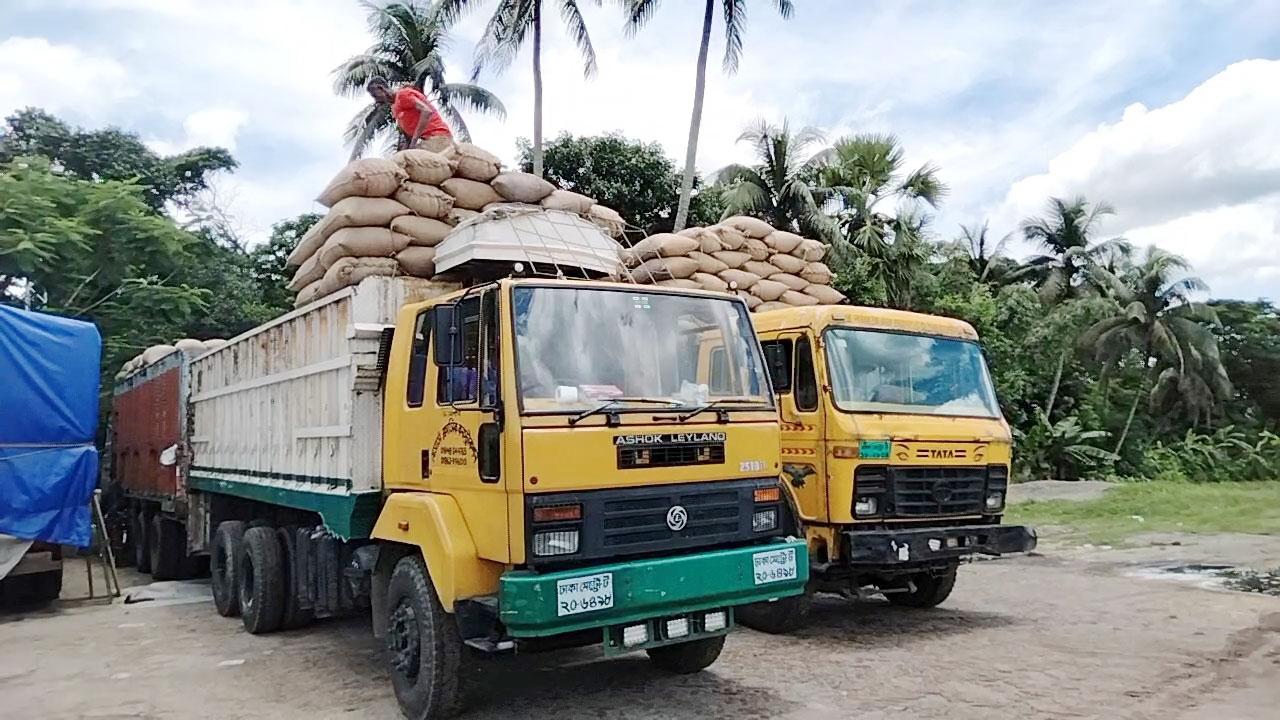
(48,417)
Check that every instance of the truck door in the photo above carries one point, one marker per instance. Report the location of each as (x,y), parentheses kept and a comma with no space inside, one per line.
(791,368)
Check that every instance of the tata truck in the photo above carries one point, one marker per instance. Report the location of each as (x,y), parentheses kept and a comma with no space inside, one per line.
(514,465)
(895,455)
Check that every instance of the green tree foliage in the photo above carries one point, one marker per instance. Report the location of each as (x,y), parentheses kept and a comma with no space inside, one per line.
(408,48)
(779,187)
(1249,345)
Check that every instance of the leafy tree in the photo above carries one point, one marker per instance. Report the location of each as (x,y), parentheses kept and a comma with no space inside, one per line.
(512,22)
(409,42)
(112,154)
(986,257)
(1249,343)
(778,187)
(639,12)
(268,262)
(1061,449)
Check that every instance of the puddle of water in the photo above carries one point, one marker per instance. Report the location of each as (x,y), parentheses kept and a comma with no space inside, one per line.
(1266,582)
(1216,577)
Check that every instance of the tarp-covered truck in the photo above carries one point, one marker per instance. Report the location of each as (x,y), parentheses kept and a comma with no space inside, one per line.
(895,453)
(521,464)
(49,369)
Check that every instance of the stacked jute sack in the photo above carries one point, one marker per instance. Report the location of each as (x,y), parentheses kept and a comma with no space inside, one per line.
(155,353)
(770,269)
(386,215)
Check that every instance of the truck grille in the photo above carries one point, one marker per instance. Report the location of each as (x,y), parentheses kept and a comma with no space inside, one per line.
(644,520)
(938,490)
(670,455)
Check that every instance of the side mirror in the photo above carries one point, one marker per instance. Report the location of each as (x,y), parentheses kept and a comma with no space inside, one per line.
(778,362)
(490,452)
(448,335)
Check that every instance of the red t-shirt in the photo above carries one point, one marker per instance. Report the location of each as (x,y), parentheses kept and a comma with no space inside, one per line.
(407,114)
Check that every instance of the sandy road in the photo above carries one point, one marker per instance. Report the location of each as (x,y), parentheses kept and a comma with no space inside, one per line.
(1069,634)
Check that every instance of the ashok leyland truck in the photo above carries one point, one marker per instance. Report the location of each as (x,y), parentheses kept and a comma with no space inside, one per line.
(485,466)
(895,455)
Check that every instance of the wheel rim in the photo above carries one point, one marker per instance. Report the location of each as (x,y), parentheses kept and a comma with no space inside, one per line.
(404,641)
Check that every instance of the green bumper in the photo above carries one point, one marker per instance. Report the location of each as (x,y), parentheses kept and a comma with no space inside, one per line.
(539,604)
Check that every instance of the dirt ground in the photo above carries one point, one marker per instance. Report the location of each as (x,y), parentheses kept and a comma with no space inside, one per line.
(1065,633)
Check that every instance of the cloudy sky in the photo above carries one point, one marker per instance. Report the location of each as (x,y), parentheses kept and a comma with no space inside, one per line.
(1168,110)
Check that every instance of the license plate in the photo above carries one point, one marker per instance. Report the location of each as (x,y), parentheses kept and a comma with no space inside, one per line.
(584,594)
(774,566)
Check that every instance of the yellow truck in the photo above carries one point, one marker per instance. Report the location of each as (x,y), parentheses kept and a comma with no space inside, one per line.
(895,455)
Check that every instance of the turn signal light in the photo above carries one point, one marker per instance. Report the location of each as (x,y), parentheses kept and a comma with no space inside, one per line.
(768,494)
(557,513)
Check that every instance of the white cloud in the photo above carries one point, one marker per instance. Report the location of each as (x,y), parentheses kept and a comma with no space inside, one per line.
(60,78)
(211,127)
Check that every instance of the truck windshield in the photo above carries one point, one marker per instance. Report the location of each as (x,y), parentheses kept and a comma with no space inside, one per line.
(887,372)
(578,348)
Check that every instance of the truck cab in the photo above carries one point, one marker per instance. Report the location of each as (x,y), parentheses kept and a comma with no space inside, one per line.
(895,454)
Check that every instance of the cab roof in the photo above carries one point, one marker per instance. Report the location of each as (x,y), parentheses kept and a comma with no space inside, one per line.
(820,317)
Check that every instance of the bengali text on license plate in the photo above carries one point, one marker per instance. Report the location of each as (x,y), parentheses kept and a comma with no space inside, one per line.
(775,565)
(584,594)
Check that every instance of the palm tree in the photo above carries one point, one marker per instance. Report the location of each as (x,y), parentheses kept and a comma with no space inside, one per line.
(987,259)
(408,48)
(1064,447)
(512,22)
(639,12)
(778,187)
(1157,317)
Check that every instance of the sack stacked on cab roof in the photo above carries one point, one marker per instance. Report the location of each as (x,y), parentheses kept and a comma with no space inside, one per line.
(769,268)
(190,346)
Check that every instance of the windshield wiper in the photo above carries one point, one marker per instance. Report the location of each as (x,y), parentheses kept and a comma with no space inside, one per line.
(714,404)
(614,401)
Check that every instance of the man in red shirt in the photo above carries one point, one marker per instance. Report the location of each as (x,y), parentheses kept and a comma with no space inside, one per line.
(413,112)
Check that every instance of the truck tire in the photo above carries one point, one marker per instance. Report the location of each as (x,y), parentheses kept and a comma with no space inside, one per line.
(294,616)
(931,590)
(424,649)
(260,579)
(168,546)
(688,657)
(141,541)
(223,559)
(781,616)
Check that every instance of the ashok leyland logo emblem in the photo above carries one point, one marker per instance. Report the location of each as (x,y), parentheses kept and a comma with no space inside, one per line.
(677,518)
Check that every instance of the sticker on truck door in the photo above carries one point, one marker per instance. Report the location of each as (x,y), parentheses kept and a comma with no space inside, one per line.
(584,594)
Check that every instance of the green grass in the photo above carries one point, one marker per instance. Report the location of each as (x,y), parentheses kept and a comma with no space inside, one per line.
(1252,507)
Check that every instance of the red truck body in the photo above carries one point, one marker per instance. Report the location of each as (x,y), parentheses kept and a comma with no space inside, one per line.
(147,422)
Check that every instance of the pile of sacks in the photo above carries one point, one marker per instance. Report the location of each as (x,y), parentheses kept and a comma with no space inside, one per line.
(190,346)
(770,269)
(386,215)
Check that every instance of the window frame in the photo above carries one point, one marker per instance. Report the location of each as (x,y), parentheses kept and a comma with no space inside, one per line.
(798,386)
(423,321)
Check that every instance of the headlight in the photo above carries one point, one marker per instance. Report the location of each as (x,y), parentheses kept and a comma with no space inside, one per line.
(714,621)
(764,520)
(678,627)
(633,635)
(864,506)
(995,500)
(555,542)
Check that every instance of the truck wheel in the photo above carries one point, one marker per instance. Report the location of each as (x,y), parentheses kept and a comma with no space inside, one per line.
(931,590)
(688,657)
(141,541)
(260,579)
(223,558)
(423,645)
(168,542)
(781,616)
(294,616)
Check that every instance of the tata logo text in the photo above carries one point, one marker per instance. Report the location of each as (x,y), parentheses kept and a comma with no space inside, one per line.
(940,454)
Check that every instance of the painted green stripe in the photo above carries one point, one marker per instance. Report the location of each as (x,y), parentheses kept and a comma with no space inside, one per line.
(286,477)
(647,588)
(348,515)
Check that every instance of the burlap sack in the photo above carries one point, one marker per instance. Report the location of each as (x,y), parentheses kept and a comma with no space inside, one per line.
(474,163)
(756,249)
(215,343)
(459,215)
(309,243)
(749,226)
(825,294)
(424,166)
(470,194)
(817,273)
(798,299)
(732,258)
(361,242)
(156,352)
(763,269)
(442,144)
(308,294)
(522,187)
(665,269)
(426,201)
(367,177)
(793,282)
(664,245)
(708,242)
(607,218)
(707,264)
(417,261)
(710,282)
(752,301)
(787,263)
(770,306)
(768,290)
(579,204)
(426,232)
(810,250)
(783,241)
(309,272)
(191,346)
(351,270)
(739,279)
(681,283)
(730,238)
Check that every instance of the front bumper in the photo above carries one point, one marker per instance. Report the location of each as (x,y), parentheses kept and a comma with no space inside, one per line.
(529,606)
(924,545)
